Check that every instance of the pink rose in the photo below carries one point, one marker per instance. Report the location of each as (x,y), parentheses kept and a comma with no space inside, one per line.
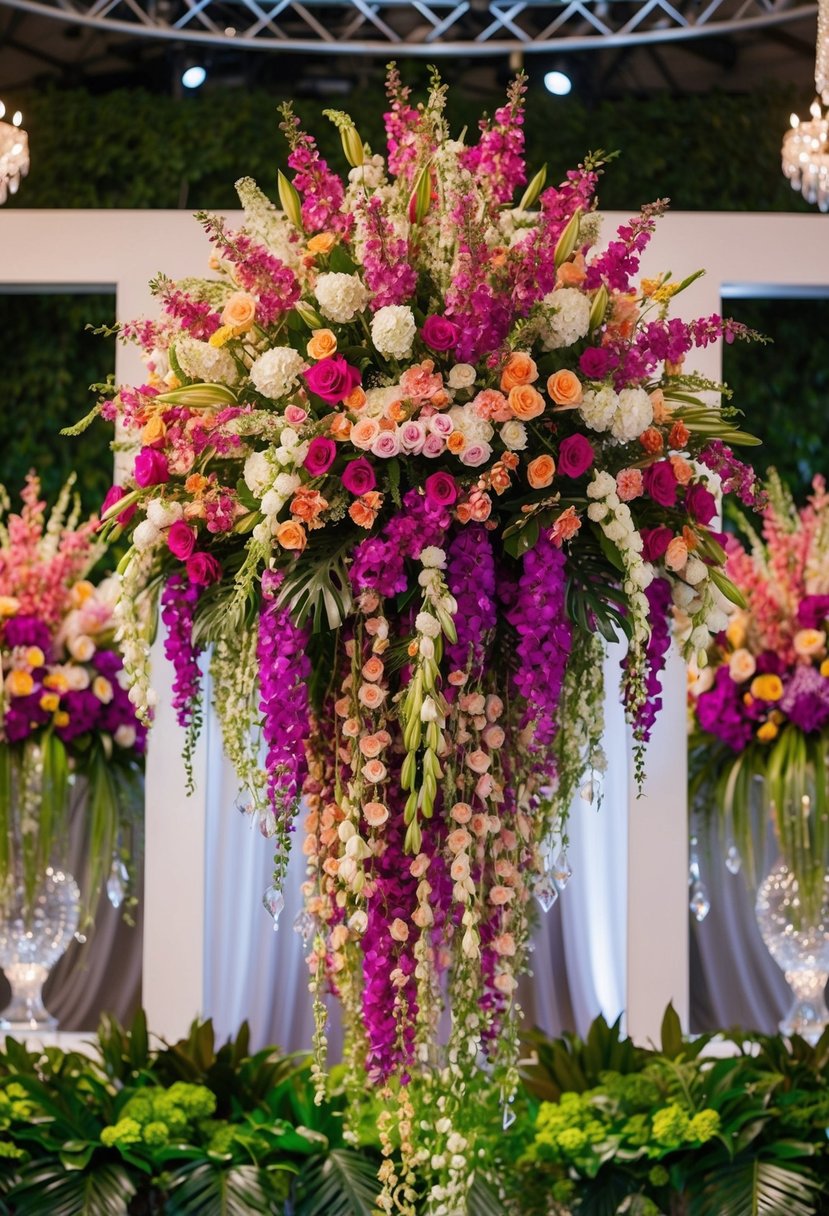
(412,437)
(386,445)
(151,468)
(441,490)
(203,569)
(181,540)
(475,454)
(358,477)
(575,456)
(441,424)
(295,415)
(654,542)
(114,495)
(439,333)
(332,379)
(433,446)
(320,455)
(700,504)
(660,483)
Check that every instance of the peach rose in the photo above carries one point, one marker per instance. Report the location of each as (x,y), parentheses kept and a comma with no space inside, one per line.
(518,369)
(500,895)
(364,432)
(458,840)
(364,509)
(478,761)
(479,824)
(741,666)
(339,427)
(356,399)
(239,312)
(351,728)
(322,344)
(504,944)
(572,274)
(676,555)
(420,865)
(375,814)
(323,242)
(459,868)
(291,535)
(494,737)
(526,402)
(499,478)
(505,983)
(307,505)
(374,771)
(370,746)
(809,642)
(565,388)
(683,471)
(540,471)
(484,786)
(372,669)
(371,696)
(461,812)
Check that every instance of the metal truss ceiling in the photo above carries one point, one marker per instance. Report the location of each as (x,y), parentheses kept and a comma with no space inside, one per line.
(425,28)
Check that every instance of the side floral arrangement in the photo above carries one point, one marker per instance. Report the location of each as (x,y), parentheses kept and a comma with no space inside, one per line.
(760,708)
(404,462)
(65,712)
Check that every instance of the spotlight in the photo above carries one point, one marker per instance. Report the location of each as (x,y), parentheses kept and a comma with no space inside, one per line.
(194,76)
(557,83)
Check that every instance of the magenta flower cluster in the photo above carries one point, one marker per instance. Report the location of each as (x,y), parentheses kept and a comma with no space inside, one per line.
(470,576)
(178,611)
(659,599)
(379,561)
(284,675)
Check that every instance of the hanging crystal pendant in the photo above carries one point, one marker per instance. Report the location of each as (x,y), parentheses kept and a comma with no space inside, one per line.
(243,802)
(733,860)
(699,902)
(273,901)
(546,893)
(693,862)
(116,886)
(562,870)
(304,925)
(508,1118)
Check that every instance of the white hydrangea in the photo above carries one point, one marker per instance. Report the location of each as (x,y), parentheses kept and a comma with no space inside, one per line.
(258,473)
(162,513)
(599,408)
(276,373)
(633,416)
(432,557)
(287,483)
(393,331)
(205,363)
(514,435)
(341,296)
(473,428)
(378,398)
(566,317)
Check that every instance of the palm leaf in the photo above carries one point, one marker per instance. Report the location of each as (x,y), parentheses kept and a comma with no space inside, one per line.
(47,1189)
(199,1188)
(343,1183)
(756,1188)
(482,1199)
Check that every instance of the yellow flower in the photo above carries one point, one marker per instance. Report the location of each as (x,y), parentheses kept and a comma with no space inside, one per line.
(35,656)
(767,732)
(221,335)
(323,242)
(154,430)
(9,605)
(20,683)
(824,668)
(664,293)
(56,680)
(61,718)
(50,702)
(649,286)
(767,688)
(81,592)
(736,631)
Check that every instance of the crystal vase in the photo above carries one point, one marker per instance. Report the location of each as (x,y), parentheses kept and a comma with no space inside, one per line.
(39,900)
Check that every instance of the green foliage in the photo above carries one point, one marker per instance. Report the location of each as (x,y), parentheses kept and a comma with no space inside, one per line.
(343,1183)
(50,363)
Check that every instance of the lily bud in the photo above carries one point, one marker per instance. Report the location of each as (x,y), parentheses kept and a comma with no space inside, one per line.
(534,189)
(567,240)
(408,770)
(428,710)
(308,314)
(421,198)
(414,838)
(598,308)
(352,146)
(290,200)
(198,396)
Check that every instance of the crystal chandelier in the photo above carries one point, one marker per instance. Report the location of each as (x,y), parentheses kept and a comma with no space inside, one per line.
(14,153)
(806,146)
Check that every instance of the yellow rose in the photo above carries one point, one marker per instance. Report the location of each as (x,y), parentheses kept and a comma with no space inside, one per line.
(767,688)
(50,702)
(35,656)
(767,732)
(239,312)
(323,242)
(154,431)
(322,345)
(9,605)
(19,683)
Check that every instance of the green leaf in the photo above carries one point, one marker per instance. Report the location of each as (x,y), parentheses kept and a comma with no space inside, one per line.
(343,1183)
(340,261)
(671,1035)
(755,1188)
(47,1189)
(201,1188)
(482,1200)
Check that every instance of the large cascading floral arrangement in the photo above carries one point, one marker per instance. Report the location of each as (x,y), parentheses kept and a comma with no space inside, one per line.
(64,706)
(404,462)
(760,708)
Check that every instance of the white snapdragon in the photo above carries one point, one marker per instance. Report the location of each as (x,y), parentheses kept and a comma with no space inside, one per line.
(601,485)
(276,373)
(566,317)
(162,513)
(287,484)
(433,558)
(514,435)
(206,363)
(393,331)
(341,296)
(370,174)
(462,375)
(633,415)
(146,535)
(599,407)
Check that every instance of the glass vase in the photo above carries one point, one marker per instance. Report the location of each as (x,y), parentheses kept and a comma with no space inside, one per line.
(39,900)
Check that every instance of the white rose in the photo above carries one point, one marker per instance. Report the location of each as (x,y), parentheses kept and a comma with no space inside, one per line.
(393,331)
(341,296)
(514,435)
(276,373)
(462,375)
(473,428)
(125,735)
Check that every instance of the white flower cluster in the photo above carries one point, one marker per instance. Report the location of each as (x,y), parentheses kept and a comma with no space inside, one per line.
(514,435)
(341,296)
(267,224)
(471,425)
(625,415)
(276,373)
(393,331)
(271,477)
(702,611)
(615,520)
(566,317)
(205,363)
(131,634)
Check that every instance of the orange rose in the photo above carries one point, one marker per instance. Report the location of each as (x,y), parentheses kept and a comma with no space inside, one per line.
(518,369)
(456,443)
(499,478)
(565,388)
(463,512)
(323,343)
(323,242)
(683,471)
(540,471)
(525,402)
(239,312)
(307,505)
(154,431)
(196,483)
(364,432)
(364,509)
(572,274)
(339,427)
(291,535)
(356,399)
(676,555)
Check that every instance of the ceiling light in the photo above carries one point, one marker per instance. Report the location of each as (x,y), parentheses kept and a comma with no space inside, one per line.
(558,83)
(14,153)
(805,149)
